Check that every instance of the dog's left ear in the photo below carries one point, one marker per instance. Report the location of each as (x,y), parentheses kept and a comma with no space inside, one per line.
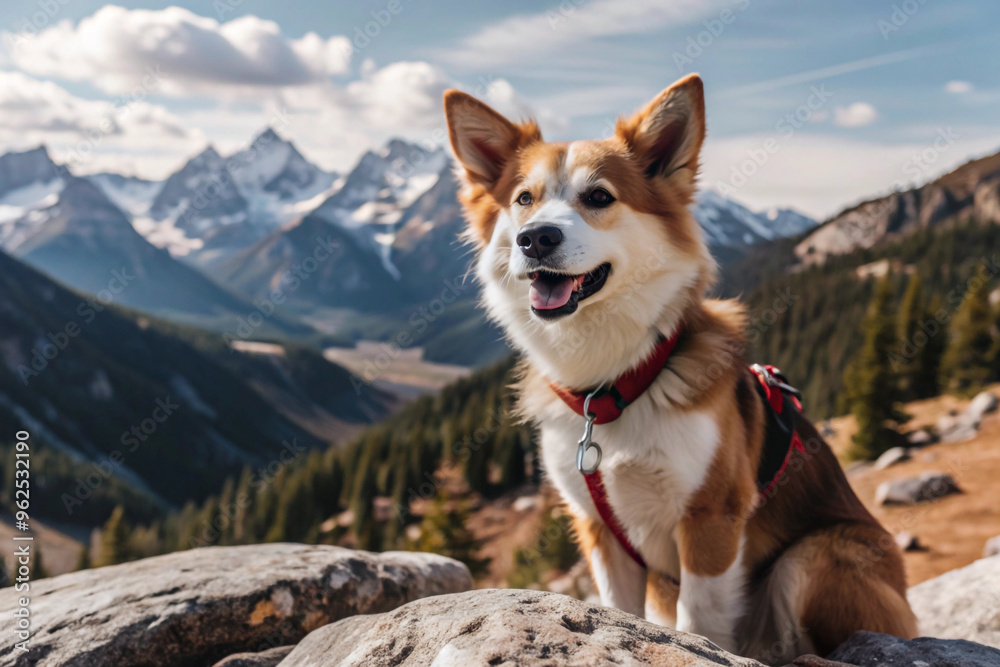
(666,135)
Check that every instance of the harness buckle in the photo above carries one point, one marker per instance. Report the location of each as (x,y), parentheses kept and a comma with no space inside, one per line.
(775,379)
(586,442)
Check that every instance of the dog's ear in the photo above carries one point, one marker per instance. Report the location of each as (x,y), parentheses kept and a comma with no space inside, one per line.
(482,139)
(666,135)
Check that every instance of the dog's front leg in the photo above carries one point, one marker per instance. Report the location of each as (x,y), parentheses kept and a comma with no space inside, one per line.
(620,580)
(713,579)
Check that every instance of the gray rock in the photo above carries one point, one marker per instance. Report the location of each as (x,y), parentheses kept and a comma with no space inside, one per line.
(908,542)
(911,490)
(815,661)
(870,649)
(961,604)
(199,606)
(503,627)
(984,403)
(961,429)
(992,547)
(957,427)
(921,438)
(892,456)
(268,658)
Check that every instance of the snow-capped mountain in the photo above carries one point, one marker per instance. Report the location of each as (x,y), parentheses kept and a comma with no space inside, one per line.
(130,194)
(83,240)
(273,165)
(28,181)
(374,196)
(19,170)
(384,236)
(728,223)
(216,205)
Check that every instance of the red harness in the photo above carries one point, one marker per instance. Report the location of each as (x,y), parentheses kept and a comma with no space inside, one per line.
(608,403)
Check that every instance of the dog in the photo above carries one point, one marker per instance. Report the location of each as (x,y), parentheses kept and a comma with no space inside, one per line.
(595,268)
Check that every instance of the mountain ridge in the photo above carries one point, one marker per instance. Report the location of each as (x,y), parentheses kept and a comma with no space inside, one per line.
(971,190)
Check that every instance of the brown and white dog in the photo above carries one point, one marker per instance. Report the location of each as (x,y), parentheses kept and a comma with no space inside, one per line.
(588,256)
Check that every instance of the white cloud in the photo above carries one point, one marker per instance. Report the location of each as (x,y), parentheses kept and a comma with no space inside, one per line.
(958,87)
(858,114)
(88,135)
(821,175)
(116,47)
(336,124)
(572,23)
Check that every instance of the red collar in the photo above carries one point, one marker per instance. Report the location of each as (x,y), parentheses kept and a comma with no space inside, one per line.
(608,404)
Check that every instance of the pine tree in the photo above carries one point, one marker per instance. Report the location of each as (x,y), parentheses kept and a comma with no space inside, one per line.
(244,499)
(83,559)
(871,387)
(114,539)
(966,365)
(37,566)
(4,573)
(444,531)
(921,342)
(995,350)
(365,488)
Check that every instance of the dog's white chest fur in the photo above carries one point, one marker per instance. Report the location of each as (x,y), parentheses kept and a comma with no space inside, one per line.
(654,458)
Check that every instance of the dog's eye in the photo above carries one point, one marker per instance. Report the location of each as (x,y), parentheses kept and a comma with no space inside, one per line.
(524,199)
(599,198)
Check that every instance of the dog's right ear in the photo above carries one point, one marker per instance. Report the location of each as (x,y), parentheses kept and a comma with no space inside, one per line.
(482,139)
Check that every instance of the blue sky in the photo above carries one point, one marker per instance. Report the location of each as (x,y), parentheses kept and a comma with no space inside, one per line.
(813,105)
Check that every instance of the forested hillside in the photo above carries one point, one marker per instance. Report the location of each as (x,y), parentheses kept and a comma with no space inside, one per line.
(808,321)
(125,409)
(362,494)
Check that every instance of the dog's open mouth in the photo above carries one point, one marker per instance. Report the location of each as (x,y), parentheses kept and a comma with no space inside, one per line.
(554,295)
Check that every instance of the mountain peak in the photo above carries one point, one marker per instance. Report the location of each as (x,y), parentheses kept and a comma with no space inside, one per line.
(269,136)
(31,166)
(207,156)
(397,148)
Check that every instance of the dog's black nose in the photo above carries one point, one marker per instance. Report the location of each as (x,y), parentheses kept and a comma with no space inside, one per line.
(539,242)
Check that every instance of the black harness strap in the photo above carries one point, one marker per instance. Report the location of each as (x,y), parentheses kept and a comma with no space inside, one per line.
(780,437)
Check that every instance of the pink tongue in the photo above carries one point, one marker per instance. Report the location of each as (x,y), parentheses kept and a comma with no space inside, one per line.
(550,294)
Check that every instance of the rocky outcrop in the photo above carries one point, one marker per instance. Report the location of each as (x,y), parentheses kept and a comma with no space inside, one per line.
(296,605)
(870,649)
(965,426)
(992,547)
(268,658)
(961,604)
(891,457)
(970,192)
(503,627)
(929,485)
(199,606)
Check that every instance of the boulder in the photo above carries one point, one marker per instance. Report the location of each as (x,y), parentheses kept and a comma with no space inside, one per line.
(961,604)
(992,547)
(815,661)
(955,428)
(504,627)
(908,542)
(983,404)
(871,649)
(892,456)
(921,438)
(199,606)
(268,658)
(911,490)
